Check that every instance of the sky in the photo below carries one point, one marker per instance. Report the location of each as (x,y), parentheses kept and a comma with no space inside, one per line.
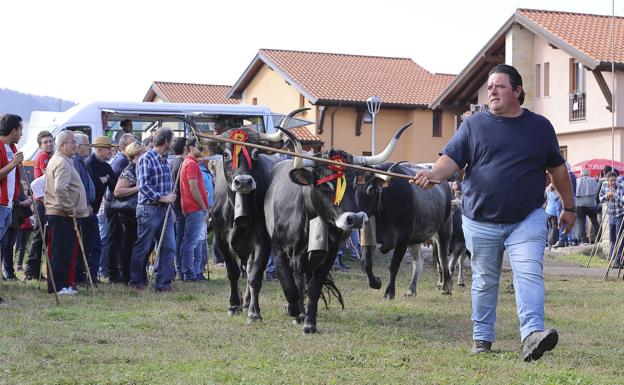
(113,50)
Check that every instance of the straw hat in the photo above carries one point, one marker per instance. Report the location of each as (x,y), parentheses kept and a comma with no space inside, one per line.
(103,141)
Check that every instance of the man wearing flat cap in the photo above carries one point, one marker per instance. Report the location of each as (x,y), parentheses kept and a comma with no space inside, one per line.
(103,178)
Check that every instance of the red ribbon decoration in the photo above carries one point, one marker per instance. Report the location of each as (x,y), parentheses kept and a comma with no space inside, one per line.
(339,174)
(241,136)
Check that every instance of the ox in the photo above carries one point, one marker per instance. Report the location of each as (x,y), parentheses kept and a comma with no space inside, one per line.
(404,216)
(310,210)
(238,219)
(457,248)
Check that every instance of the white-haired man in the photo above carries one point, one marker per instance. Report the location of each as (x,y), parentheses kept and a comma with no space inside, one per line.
(65,197)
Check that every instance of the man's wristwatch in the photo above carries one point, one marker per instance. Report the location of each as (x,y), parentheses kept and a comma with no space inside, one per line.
(570,209)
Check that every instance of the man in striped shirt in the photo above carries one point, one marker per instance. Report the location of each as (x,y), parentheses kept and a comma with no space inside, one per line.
(612,193)
(155,195)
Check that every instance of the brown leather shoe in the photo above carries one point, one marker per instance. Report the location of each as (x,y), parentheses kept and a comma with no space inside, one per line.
(481,346)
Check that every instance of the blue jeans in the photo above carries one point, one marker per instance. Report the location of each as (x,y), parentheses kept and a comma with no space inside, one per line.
(524,242)
(200,263)
(615,225)
(179,232)
(190,249)
(6,216)
(150,220)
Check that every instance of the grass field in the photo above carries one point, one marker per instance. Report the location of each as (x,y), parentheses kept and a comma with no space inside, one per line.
(121,337)
(580,260)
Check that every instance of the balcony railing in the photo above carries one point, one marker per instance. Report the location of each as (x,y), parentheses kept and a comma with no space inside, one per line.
(577,106)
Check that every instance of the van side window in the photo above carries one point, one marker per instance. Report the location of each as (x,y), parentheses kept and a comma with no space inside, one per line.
(83,129)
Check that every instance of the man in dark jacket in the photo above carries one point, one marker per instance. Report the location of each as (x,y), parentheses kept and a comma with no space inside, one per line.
(103,178)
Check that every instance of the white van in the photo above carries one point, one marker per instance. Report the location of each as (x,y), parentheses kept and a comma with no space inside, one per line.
(103,118)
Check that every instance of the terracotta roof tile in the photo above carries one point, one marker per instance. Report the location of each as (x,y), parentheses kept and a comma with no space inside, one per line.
(590,34)
(193,93)
(354,78)
(305,136)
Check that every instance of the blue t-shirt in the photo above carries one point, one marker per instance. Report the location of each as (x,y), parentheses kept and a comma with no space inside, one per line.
(207,176)
(506,161)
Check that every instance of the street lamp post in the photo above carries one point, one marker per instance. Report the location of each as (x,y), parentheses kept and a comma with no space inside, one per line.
(373,103)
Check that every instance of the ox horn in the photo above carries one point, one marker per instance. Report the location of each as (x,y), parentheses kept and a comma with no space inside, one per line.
(297,161)
(385,154)
(387,178)
(277,136)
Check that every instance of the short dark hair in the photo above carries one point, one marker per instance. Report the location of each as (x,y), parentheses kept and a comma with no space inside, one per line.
(8,123)
(178,146)
(43,134)
(162,136)
(513,75)
(612,174)
(124,123)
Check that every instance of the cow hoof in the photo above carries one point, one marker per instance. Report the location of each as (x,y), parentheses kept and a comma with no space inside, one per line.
(461,284)
(375,283)
(234,310)
(446,292)
(298,320)
(409,293)
(252,318)
(389,296)
(309,329)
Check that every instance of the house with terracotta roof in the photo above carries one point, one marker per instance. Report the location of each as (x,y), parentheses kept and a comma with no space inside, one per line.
(565,62)
(335,88)
(171,92)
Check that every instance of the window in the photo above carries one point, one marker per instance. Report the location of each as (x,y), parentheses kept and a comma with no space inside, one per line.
(546,79)
(366,153)
(301,101)
(537,80)
(578,84)
(437,124)
(564,152)
(254,101)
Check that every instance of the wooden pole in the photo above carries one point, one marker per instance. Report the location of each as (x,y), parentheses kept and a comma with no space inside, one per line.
(597,241)
(84,255)
(306,156)
(617,245)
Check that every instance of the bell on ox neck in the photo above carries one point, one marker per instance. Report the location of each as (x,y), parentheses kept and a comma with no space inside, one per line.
(242,210)
(317,236)
(368,233)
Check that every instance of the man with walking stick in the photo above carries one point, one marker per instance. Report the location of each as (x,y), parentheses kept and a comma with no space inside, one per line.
(155,195)
(10,159)
(65,200)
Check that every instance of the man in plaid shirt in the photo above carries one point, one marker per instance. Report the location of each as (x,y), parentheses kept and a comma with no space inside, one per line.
(155,195)
(612,193)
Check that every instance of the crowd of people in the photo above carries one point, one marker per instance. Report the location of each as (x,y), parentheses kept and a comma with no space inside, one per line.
(113,195)
(591,194)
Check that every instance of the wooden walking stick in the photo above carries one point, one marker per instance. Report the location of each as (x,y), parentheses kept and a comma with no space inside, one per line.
(84,255)
(597,241)
(40,228)
(614,253)
(162,233)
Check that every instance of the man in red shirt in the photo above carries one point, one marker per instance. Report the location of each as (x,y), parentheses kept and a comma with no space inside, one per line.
(46,150)
(194,200)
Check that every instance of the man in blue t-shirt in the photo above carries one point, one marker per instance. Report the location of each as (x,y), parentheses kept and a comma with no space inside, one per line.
(506,152)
